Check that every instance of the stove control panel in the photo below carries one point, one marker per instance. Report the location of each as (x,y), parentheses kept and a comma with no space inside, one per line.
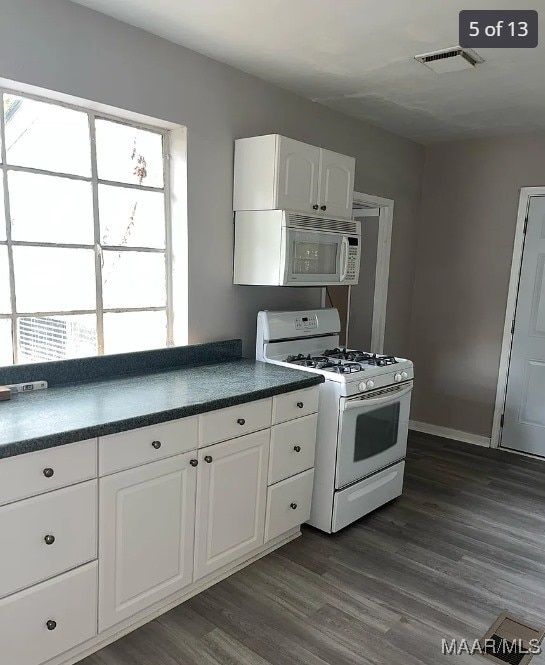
(307,322)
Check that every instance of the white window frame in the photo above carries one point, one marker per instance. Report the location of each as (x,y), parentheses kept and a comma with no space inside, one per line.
(97,245)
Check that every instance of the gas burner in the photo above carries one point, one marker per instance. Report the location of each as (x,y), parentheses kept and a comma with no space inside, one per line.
(314,362)
(344,368)
(360,357)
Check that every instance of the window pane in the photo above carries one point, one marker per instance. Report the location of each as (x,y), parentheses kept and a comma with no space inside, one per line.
(6,352)
(5,300)
(131,217)
(53,279)
(46,136)
(50,209)
(128,154)
(134,331)
(2,210)
(56,337)
(133,279)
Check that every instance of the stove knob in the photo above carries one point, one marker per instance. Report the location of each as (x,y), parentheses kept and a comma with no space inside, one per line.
(404,375)
(370,384)
(397,377)
(362,386)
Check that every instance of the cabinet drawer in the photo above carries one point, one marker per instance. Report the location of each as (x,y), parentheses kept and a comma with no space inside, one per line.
(234,421)
(292,447)
(34,473)
(288,504)
(70,601)
(66,517)
(295,404)
(146,444)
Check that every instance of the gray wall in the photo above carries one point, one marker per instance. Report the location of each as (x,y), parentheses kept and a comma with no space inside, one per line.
(68,48)
(465,245)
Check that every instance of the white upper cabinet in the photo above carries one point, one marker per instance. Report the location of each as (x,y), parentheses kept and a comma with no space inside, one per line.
(274,172)
(298,171)
(336,184)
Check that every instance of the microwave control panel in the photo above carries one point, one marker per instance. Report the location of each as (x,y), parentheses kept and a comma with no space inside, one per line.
(352,262)
(308,322)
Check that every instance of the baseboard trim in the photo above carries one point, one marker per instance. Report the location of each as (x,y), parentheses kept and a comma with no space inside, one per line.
(447,433)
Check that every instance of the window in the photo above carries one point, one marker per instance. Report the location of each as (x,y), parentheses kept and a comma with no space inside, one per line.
(85,265)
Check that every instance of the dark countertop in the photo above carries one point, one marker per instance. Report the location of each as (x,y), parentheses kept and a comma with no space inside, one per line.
(65,414)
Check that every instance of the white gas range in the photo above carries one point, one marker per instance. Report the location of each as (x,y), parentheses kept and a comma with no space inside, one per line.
(363,416)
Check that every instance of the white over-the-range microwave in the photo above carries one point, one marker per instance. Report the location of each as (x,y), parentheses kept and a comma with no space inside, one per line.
(283,248)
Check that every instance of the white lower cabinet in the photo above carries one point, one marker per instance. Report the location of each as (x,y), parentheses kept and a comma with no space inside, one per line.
(49,618)
(288,504)
(231,497)
(169,521)
(47,535)
(147,520)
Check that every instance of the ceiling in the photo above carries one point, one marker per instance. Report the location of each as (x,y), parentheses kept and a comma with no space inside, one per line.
(356,56)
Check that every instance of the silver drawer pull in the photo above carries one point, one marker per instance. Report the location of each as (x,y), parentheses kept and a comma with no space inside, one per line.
(51,624)
(48,472)
(49,540)
(156,444)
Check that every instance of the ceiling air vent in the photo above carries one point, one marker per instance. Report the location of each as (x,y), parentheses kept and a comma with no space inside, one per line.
(450,59)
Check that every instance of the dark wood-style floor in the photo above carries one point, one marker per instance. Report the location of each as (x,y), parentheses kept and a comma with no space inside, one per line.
(465,542)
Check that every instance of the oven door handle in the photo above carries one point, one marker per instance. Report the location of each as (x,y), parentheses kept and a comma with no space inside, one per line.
(373,401)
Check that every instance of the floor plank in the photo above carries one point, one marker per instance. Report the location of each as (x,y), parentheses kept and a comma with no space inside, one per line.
(465,542)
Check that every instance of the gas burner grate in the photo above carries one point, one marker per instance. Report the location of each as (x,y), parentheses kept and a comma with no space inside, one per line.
(346,368)
(313,362)
(360,357)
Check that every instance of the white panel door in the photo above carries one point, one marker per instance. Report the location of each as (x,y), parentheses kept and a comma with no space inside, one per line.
(231,496)
(147,522)
(297,177)
(336,191)
(524,420)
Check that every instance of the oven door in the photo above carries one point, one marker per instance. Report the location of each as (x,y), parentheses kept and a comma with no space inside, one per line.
(314,257)
(373,432)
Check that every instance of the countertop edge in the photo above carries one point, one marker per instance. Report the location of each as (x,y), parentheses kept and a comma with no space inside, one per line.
(73,436)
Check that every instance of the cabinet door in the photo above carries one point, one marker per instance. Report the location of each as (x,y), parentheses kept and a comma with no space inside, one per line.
(336,192)
(298,169)
(231,496)
(147,521)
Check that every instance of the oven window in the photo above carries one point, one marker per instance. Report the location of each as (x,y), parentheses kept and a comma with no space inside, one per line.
(376,431)
(314,258)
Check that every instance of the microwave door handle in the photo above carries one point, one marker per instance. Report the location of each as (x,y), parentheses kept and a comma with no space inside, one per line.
(344,259)
(373,401)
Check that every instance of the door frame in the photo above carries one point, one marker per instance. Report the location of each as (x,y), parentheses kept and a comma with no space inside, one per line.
(366,205)
(511,309)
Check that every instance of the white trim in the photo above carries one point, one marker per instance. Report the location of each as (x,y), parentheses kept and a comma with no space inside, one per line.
(382,271)
(510,309)
(447,433)
(104,110)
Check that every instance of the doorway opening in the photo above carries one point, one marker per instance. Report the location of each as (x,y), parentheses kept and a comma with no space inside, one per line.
(362,308)
(521,371)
